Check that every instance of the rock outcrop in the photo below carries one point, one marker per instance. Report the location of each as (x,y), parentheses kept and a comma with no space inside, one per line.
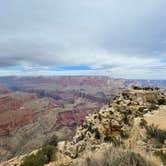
(113,122)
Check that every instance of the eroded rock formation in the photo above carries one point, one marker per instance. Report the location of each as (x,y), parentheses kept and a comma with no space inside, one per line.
(113,121)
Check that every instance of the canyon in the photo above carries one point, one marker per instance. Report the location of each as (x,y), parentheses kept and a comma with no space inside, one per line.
(33,109)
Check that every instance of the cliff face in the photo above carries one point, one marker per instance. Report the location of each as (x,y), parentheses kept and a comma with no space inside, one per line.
(113,122)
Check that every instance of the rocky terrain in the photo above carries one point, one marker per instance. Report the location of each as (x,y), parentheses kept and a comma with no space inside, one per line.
(35,108)
(127,122)
(134,120)
(115,121)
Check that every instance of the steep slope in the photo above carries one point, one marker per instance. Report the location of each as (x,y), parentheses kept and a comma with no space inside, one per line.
(115,121)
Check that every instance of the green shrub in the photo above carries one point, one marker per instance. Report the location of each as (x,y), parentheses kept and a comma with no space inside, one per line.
(126,118)
(100,117)
(97,134)
(162,156)
(89,127)
(43,156)
(154,132)
(162,101)
(108,139)
(147,88)
(158,144)
(137,88)
(114,140)
(139,114)
(125,95)
(124,134)
(141,109)
(35,160)
(153,107)
(143,123)
(51,141)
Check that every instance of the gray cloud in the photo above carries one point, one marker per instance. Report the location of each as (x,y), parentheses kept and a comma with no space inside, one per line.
(110,33)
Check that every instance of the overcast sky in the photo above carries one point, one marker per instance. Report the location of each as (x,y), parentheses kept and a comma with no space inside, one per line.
(120,38)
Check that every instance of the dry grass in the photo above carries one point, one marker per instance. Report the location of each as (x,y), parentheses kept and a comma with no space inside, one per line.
(115,157)
(61,160)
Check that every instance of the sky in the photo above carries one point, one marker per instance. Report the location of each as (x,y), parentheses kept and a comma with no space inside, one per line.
(121,39)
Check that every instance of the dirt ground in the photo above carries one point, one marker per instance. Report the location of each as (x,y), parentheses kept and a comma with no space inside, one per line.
(157,117)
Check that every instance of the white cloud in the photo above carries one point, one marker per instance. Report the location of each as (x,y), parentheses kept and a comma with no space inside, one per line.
(120,38)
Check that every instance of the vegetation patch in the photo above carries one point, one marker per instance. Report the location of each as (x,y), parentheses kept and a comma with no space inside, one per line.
(162,101)
(114,157)
(143,123)
(153,107)
(137,88)
(97,134)
(141,109)
(154,132)
(130,158)
(43,156)
(162,156)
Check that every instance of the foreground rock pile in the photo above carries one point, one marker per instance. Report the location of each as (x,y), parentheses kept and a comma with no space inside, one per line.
(113,122)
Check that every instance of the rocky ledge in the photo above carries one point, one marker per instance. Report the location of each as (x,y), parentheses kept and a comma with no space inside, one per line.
(113,122)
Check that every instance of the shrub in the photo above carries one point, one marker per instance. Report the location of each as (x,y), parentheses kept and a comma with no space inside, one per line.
(35,160)
(114,140)
(126,118)
(157,88)
(137,88)
(139,114)
(147,88)
(108,139)
(43,156)
(162,156)
(49,151)
(129,158)
(153,107)
(143,123)
(125,95)
(157,144)
(52,141)
(141,109)
(162,101)
(113,157)
(154,132)
(97,134)
(89,127)
(124,134)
